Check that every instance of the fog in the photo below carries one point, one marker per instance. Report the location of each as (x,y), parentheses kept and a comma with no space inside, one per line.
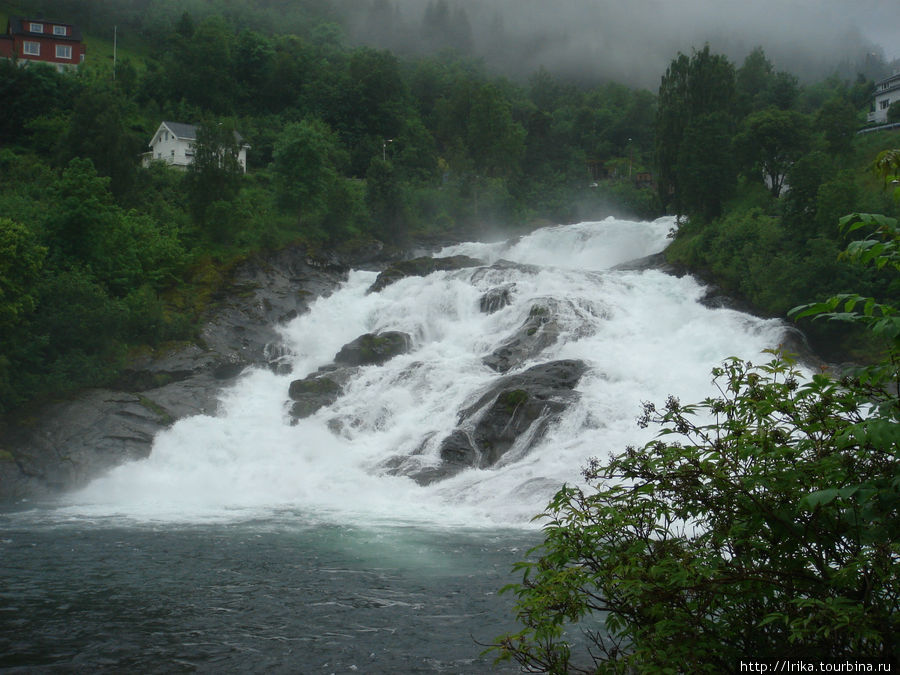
(633,42)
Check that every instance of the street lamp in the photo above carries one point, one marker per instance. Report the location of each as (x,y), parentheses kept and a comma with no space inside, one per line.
(384,148)
(630,157)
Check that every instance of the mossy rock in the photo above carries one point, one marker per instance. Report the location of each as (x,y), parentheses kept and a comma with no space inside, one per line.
(373,349)
(318,386)
(311,394)
(512,399)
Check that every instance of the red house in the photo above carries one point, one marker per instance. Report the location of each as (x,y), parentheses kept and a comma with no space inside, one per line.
(42,40)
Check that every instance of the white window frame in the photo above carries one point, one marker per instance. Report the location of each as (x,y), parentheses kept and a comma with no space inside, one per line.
(35,27)
(64,52)
(60,30)
(31,48)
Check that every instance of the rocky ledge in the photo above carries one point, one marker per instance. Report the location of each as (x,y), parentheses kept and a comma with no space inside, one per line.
(63,444)
(507,420)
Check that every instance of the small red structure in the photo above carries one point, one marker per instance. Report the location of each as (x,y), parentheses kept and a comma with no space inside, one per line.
(42,40)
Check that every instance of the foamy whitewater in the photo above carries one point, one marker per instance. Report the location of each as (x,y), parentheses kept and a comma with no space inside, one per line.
(643,334)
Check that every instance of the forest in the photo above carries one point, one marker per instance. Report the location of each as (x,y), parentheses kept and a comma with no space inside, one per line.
(104,257)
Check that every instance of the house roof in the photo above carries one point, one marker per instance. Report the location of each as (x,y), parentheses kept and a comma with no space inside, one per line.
(17,25)
(188,132)
(181,130)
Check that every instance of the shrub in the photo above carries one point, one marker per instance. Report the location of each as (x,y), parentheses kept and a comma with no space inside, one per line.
(761,523)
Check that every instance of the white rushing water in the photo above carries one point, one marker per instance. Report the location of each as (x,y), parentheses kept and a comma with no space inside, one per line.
(643,334)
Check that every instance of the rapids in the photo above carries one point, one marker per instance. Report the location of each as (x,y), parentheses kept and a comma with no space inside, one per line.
(643,334)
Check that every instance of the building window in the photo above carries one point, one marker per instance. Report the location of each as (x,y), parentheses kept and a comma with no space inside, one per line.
(885,104)
(31,48)
(59,30)
(64,52)
(36,27)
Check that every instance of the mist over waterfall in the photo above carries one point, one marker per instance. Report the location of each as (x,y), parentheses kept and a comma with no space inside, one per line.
(642,334)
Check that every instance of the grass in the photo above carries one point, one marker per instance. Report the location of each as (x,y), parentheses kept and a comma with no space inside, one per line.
(127,46)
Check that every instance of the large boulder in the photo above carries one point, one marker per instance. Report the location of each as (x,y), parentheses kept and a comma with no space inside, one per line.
(373,349)
(514,413)
(326,385)
(312,393)
(421,267)
(537,332)
(496,298)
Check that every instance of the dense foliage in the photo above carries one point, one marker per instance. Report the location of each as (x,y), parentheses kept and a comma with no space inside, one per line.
(345,143)
(761,524)
(759,169)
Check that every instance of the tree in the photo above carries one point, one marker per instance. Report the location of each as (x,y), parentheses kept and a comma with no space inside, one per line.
(384,199)
(215,174)
(799,205)
(21,262)
(496,142)
(307,157)
(753,79)
(838,121)
(769,143)
(893,113)
(21,266)
(27,92)
(760,523)
(705,172)
(85,211)
(699,86)
(99,131)
(199,65)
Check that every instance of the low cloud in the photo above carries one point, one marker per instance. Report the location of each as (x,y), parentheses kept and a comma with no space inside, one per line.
(633,42)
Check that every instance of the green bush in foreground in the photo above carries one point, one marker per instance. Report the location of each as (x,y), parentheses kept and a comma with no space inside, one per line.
(760,524)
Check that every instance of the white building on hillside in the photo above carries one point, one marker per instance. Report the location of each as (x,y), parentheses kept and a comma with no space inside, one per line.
(887,91)
(173,143)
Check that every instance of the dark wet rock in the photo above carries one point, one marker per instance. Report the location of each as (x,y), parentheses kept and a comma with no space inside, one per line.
(373,349)
(74,441)
(515,412)
(655,261)
(537,332)
(421,267)
(326,385)
(229,369)
(63,444)
(312,393)
(795,345)
(496,298)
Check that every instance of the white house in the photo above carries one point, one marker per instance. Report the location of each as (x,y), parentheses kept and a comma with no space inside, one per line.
(173,143)
(887,91)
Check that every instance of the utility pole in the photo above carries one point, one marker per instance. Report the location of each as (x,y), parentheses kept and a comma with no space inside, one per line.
(115,48)
(384,148)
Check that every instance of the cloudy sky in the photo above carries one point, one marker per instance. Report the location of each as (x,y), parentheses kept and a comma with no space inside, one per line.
(879,21)
(634,40)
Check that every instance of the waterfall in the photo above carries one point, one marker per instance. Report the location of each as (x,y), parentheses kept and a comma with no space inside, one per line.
(642,334)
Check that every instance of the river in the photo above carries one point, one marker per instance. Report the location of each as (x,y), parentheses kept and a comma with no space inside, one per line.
(246,543)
